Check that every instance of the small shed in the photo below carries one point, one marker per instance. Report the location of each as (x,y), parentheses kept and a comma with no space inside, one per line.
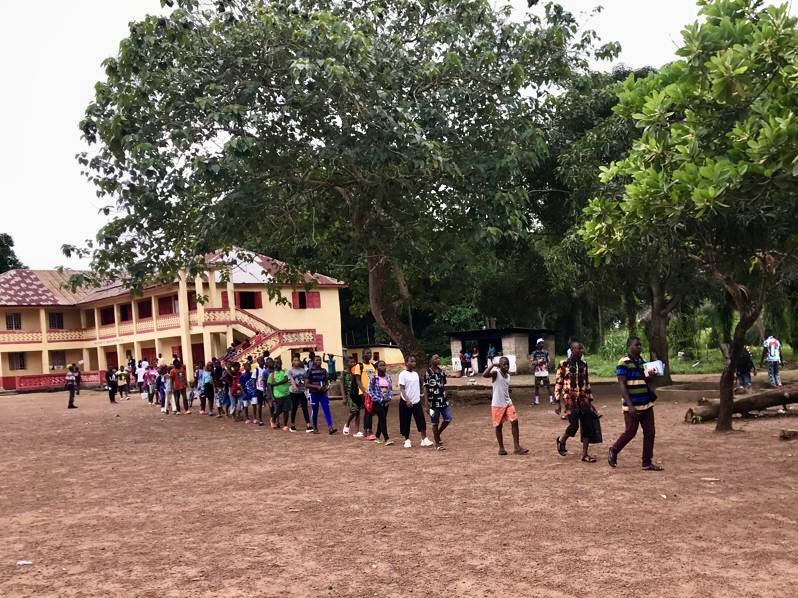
(518,342)
(390,354)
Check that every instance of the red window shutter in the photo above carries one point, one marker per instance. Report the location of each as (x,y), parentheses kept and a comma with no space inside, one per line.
(258,300)
(295,300)
(238,299)
(314,300)
(225,300)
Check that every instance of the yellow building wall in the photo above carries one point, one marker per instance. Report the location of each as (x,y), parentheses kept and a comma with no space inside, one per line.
(33,363)
(29,316)
(390,355)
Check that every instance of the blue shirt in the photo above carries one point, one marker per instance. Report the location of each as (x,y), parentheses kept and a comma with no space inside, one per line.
(636,383)
(316,377)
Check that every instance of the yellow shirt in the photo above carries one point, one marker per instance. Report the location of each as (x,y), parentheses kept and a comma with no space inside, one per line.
(365,374)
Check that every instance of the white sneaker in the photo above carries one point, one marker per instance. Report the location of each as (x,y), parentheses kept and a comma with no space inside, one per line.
(163,410)
(537,401)
(426,442)
(346,431)
(408,444)
(358,435)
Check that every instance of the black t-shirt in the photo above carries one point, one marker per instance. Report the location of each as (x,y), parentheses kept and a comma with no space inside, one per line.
(435,384)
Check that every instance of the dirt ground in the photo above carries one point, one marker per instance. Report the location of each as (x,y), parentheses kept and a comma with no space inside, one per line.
(122,501)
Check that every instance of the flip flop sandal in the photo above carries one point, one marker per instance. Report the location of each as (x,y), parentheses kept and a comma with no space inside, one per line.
(521,451)
(502,452)
(653,467)
(561,447)
(589,459)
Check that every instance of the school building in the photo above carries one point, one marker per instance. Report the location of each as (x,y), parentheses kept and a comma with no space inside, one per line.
(47,327)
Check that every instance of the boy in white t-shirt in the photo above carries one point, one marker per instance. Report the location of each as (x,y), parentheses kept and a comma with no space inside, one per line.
(410,406)
(502,408)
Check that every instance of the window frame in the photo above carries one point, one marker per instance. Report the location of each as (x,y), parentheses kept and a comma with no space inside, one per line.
(21,361)
(55,315)
(14,320)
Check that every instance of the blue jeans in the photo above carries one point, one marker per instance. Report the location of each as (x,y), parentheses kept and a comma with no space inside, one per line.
(773,373)
(744,379)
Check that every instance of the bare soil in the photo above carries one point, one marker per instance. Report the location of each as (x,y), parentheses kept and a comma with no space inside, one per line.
(123,501)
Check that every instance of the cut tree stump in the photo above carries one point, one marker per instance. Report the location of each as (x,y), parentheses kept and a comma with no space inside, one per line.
(788,434)
(707,409)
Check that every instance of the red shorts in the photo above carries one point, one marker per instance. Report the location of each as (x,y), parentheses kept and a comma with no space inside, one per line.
(499,415)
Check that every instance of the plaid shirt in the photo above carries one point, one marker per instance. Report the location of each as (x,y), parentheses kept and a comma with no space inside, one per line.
(572,386)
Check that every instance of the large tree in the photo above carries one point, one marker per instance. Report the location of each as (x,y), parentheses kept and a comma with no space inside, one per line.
(361,133)
(714,173)
(8,259)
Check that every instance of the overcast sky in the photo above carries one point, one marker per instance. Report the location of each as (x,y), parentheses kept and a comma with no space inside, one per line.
(51,53)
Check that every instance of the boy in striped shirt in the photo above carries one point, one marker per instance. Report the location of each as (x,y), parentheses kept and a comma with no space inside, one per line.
(638,405)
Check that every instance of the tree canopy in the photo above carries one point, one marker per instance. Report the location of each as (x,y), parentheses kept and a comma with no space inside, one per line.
(713,174)
(367,134)
(8,259)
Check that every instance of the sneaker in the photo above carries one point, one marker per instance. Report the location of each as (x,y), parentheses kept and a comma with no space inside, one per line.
(537,401)
(371,437)
(261,424)
(332,431)
(292,429)
(315,431)
(346,431)
(388,442)
(163,410)
(72,406)
(612,458)
(379,440)
(408,444)
(311,431)
(358,435)
(427,442)
(188,412)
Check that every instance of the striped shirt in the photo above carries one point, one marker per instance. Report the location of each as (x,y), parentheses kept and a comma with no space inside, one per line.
(636,384)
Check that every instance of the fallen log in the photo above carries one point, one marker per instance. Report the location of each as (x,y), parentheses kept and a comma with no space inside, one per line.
(788,434)
(708,409)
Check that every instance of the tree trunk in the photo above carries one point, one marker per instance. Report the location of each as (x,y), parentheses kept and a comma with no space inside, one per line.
(748,315)
(385,312)
(661,309)
(600,323)
(630,309)
(709,410)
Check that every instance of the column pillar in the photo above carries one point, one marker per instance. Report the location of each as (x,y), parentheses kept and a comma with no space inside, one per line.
(134,308)
(159,351)
(207,345)
(116,319)
(231,303)
(212,293)
(86,359)
(97,323)
(200,306)
(154,313)
(102,362)
(121,356)
(45,351)
(185,323)
(137,350)
(2,369)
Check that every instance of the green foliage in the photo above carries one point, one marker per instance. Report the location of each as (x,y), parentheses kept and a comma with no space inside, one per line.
(614,345)
(8,259)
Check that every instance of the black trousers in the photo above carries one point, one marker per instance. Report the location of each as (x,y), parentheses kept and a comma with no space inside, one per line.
(298,399)
(207,395)
(177,394)
(71,390)
(415,412)
(112,392)
(381,411)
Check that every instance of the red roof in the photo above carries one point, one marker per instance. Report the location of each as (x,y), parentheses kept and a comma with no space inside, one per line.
(45,287)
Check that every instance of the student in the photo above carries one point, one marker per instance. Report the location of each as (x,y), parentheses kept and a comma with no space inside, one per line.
(318,383)
(141,371)
(78,378)
(205,383)
(121,382)
(248,395)
(169,399)
(70,384)
(363,372)
(110,383)
(160,388)
(281,390)
(236,392)
(744,367)
(331,373)
(435,397)
(465,361)
(268,396)
(219,395)
(260,386)
(771,353)
(150,382)
(410,407)
(475,359)
(179,386)
(353,398)
(540,361)
(381,392)
(502,408)
(572,388)
(638,405)
(299,399)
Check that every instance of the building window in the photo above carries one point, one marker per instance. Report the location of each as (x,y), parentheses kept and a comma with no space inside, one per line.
(145,309)
(57,360)
(89,318)
(55,320)
(167,305)
(107,316)
(125,312)
(249,300)
(16,361)
(14,321)
(306,300)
